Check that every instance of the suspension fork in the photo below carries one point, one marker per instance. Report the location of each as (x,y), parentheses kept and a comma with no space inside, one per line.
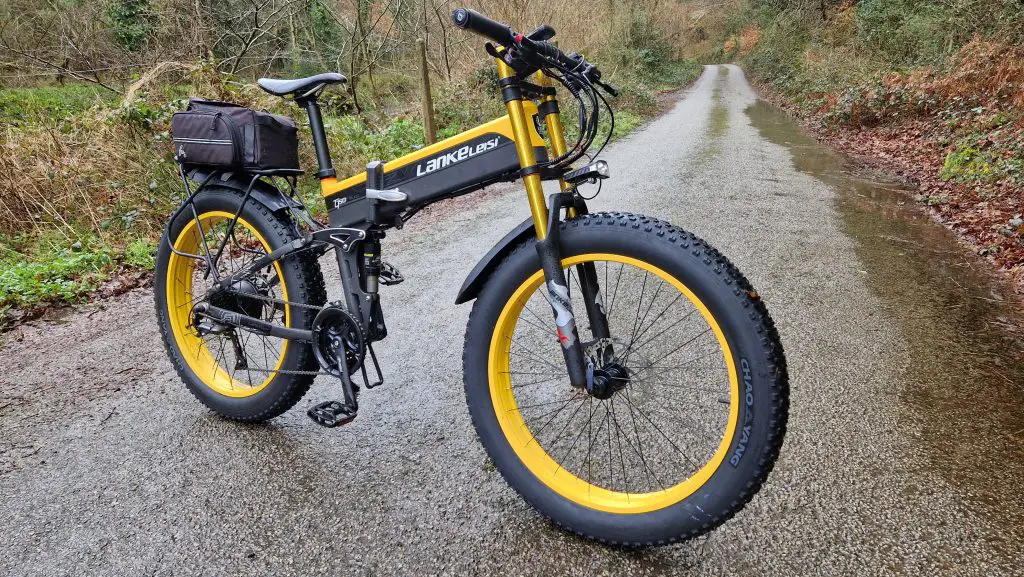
(586,272)
(591,289)
(545,224)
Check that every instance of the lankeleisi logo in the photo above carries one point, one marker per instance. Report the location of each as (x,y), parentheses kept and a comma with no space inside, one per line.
(454,156)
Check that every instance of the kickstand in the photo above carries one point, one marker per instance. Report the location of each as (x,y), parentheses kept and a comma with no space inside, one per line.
(376,367)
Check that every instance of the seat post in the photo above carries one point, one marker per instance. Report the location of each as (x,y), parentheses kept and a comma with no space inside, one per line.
(316,125)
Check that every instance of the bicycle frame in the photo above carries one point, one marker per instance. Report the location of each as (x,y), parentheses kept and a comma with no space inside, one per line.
(504,149)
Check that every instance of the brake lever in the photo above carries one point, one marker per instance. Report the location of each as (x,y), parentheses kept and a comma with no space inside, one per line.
(608,88)
(509,57)
(594,75)
(542,34)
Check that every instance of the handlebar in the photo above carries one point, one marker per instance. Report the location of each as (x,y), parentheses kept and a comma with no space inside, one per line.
(535,44)
(504,35)
(478,23)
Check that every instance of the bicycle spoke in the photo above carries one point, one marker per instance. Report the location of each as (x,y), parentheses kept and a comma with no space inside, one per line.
(658,426)
(611,305)
(639,443)
(521,407)
(667,438)
(685,344)
(566,426)
(633,338)
(590,447)
(532,354)
(558,412)
(618,443)
(639,303)
(531,383)
(540,326)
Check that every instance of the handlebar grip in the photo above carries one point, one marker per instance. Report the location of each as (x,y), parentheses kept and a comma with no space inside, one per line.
(475,22)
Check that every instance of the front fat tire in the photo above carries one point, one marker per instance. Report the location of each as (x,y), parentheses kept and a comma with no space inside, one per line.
(748,329)
(304,283)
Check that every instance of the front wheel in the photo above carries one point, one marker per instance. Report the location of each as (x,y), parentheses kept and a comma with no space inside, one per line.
(694,413)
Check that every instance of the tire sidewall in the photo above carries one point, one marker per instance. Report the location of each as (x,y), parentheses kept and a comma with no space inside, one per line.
(740,473)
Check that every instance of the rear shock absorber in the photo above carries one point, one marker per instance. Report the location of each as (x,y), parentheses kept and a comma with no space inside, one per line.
(370,266)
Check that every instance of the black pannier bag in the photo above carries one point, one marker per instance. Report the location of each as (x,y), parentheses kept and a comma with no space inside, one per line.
(226,135)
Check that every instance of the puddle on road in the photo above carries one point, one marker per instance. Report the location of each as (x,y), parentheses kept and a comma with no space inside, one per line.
(718,123)
(965,374)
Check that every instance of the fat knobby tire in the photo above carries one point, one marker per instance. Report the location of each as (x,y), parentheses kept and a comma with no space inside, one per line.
(749,330)
(304,284)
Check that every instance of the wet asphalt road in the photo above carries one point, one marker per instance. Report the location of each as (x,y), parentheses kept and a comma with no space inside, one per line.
(903,454)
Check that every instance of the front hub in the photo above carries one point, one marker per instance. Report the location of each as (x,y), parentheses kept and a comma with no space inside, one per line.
(607,380)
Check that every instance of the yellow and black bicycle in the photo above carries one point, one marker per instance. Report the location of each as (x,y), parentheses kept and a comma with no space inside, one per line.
(624,377)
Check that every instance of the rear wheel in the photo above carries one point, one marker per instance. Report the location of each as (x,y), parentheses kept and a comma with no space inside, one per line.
(236,373)
(694,412)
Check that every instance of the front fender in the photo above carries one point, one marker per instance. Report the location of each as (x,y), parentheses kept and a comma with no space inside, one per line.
(475,281)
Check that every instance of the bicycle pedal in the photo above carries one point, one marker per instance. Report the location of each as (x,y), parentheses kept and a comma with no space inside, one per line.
(389,275)
(332,414)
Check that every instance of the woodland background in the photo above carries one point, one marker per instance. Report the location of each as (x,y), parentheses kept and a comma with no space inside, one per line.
(931,88)
(87,90)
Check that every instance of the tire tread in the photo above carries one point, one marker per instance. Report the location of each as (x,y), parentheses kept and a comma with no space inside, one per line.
(743,292)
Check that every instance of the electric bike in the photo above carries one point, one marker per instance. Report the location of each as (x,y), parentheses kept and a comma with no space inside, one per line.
(623,376)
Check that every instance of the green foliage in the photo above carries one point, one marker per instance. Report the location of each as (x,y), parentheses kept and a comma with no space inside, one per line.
(140,253)
(23,105)
(971,162)
(650,50)
(904,32)
(626,121)
(468,104)
(675,74)
(357,141)
(966,163)
(146,113)
(327,40)
(131,21)
(778,58)
(51,277)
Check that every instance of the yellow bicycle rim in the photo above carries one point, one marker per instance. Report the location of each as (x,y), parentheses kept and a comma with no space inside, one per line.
(533,455)
(179,304)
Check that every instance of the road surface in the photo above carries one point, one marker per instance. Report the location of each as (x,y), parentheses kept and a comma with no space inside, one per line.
(903,453)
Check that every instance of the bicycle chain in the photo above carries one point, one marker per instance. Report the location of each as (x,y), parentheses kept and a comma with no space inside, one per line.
(273,300)
(277,301)
(286,303)
(288,372)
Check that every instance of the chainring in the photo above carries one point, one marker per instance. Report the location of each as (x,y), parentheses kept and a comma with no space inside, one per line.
(334,328)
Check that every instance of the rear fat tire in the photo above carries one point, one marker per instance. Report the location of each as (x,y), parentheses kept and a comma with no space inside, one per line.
(748,329)
(304,284)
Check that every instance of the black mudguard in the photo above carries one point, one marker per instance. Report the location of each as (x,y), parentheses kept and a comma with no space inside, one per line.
(262,192)
(475,281)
